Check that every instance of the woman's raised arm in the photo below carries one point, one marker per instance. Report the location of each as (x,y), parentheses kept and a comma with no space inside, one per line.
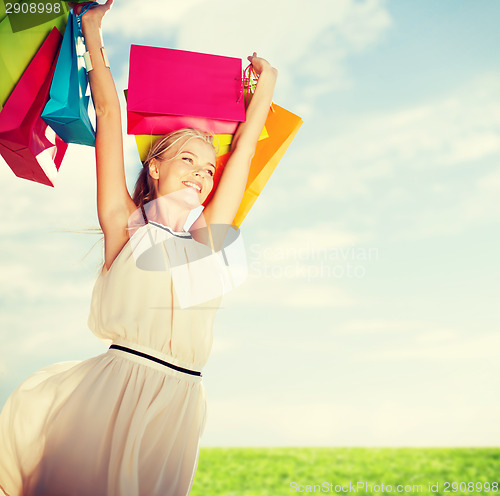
(113,199)
(227,198)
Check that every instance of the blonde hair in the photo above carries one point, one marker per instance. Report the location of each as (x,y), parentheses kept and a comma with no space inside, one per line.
(144,189)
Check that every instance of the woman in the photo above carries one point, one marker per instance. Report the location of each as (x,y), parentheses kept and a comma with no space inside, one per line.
(128,422)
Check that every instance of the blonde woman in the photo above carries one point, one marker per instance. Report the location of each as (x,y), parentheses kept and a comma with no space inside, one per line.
(128,422)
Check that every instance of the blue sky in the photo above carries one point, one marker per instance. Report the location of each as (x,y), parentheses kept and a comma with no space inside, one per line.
(368,318)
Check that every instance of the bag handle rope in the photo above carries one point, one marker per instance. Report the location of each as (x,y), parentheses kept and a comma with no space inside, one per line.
(249,83)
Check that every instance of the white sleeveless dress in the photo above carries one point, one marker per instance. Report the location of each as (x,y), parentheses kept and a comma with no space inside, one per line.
(117,424)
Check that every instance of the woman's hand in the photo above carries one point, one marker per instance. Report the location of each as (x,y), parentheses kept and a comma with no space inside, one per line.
(94,14)
(261,65)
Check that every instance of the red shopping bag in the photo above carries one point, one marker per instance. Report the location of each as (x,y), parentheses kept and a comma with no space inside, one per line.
(29,146)
(172,89)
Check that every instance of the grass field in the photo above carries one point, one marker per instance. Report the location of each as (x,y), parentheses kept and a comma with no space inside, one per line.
(270,471)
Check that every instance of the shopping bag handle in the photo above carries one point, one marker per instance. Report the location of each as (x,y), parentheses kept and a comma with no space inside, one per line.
(83,11)
(249,81)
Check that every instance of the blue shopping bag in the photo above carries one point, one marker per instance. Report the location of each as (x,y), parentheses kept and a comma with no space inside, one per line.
(66,111)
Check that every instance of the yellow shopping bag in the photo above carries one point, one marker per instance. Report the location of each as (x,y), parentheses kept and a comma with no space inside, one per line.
(222,143)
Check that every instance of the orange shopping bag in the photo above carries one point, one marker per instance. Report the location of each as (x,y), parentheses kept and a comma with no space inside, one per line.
(281,126)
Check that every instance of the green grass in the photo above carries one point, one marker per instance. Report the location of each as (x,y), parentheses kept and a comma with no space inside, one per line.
(269,471)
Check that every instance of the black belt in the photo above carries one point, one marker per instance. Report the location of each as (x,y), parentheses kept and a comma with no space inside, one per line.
(157,360)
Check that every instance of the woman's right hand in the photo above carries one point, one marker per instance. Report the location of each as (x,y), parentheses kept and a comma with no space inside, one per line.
(260,65)
(94,14)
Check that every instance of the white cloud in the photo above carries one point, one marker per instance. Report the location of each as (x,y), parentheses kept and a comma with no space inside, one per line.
(362,327)
(223,345)
(271,287)
(27,284)
(406,163)
(3,370)
(489,183)
(363,24)
(436,335)
(422,333)
(474,146)
(313,239)
(444,349)
(460,128)
(482,202)
(128,18)
(296,26)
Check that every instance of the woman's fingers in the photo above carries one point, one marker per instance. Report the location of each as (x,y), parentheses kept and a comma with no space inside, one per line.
(77,7)
(258,63)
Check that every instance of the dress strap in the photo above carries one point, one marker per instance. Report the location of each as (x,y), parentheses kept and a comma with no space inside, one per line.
(144,214)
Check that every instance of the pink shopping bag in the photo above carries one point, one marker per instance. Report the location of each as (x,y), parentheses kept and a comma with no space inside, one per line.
(170,89)
(31,148)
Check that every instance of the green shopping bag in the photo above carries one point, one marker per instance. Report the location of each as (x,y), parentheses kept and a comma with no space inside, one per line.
(2,11)
(18,49)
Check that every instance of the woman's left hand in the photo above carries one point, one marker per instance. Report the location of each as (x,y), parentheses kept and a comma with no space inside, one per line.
(95,13)
(260,65)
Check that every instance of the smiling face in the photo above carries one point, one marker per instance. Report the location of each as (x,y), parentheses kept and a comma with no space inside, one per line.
(191,164)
